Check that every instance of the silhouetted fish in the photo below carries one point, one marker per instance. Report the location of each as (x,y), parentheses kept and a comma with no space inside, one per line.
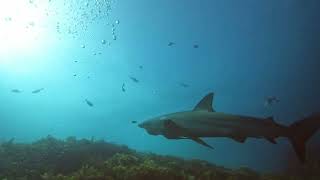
(196,46)
(16,91)
(171,43)
(37,90)
(270,100)
(141,67)
(123,89)
(133,122)
(184,85)
(134,79)
(89,103)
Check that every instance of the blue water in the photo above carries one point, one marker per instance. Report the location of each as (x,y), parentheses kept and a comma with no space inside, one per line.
(247,50)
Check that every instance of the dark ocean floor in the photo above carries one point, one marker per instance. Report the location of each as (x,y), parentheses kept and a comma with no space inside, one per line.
(71,159)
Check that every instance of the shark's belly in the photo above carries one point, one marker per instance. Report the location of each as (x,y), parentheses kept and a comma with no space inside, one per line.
(212,125)
(212,132)
(200,129)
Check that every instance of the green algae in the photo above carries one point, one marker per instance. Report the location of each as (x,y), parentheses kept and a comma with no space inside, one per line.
(71,159)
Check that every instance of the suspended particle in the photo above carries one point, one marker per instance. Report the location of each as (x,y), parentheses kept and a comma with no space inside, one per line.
(103,41)
(117,21)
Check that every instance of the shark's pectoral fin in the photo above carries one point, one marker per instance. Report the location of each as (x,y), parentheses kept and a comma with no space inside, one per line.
(173,128)
(173,136)
(200,141)
(272,140)
(239,139)
(174,131)
(205,104)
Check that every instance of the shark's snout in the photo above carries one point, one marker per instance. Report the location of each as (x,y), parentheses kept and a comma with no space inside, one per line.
(140,125)
(149,128)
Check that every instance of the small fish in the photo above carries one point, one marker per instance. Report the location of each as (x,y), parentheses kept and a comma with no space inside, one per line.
(89,103)
(171,43)
(16,91)
(134,79)
(196,46)
(75,75)
(141,67)
(37,90)
(270,100)
(75,61)
(184,85)
(133,122)
(123,87)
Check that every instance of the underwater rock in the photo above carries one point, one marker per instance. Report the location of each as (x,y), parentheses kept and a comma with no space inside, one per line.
(82,159)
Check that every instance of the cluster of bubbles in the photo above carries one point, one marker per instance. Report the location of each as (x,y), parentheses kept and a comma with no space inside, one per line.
(73,17)
(77,15)
(114,36)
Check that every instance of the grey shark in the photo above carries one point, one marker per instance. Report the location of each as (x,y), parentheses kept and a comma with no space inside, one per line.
(204,121)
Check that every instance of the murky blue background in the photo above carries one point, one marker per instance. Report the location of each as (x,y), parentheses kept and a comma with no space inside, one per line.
(247,50)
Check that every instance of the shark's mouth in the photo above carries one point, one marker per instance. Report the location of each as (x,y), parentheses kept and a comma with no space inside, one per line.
(151,132)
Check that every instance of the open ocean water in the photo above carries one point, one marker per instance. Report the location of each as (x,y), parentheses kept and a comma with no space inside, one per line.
(79,72)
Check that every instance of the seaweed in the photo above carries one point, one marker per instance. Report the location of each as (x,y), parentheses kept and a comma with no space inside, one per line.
(72,159)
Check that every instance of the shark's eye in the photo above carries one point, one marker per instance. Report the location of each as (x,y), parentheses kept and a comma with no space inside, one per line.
(167,123)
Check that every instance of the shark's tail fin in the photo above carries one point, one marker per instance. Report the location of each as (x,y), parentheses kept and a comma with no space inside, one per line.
(301,131)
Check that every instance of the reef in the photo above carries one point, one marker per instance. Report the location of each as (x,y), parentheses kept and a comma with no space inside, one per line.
(72,159)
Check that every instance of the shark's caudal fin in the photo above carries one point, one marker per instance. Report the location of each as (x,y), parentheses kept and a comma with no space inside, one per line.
(301,132)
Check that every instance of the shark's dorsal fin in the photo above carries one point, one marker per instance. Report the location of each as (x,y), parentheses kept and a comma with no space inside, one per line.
(205,104)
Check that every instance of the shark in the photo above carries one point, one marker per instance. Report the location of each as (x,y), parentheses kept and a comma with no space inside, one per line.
(203,122)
